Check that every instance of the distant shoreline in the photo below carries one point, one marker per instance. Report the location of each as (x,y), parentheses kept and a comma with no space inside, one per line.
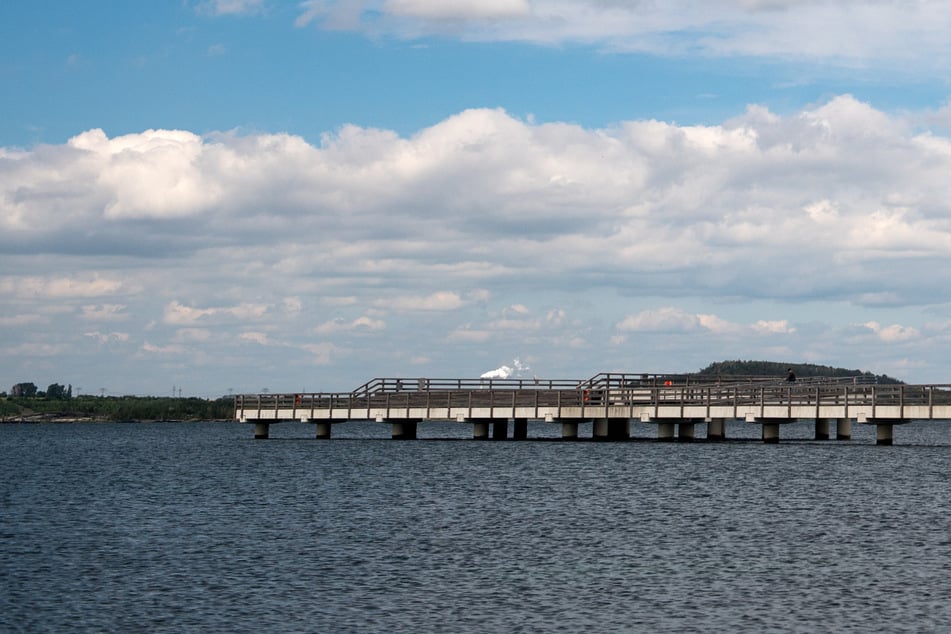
(37,419)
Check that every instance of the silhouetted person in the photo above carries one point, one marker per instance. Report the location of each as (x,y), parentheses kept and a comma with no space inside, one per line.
(790,376)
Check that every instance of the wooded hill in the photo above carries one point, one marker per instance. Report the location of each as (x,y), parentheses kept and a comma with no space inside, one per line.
(802,370)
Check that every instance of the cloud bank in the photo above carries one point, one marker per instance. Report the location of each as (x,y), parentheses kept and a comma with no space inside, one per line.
(823,235)
(852,32)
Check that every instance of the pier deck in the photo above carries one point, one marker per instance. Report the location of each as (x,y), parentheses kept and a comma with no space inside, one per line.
(610,400)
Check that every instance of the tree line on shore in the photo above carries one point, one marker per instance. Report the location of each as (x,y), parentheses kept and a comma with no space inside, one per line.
(66,407)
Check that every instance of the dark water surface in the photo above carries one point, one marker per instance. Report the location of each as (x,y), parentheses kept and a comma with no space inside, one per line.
(181,527)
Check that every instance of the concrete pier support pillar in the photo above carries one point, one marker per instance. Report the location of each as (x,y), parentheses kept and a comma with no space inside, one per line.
(843,429)
(520,428)
(480,429)
(665,431)
(884,434)
(569,430)
(822,429)
(619,428)
(685,431)
(261,430)
(716,429)
(322,430)
(599,429)
(404,430)
(884,429)
(500,430)
(770,432)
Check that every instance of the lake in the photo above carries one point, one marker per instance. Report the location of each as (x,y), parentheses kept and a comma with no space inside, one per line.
(178,527)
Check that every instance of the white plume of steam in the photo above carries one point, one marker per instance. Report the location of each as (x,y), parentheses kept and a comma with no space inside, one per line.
(505,371)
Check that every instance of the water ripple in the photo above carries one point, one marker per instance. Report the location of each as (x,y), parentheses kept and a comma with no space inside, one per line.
(194,527)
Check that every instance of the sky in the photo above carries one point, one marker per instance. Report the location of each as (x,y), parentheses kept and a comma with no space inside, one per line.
(207,197)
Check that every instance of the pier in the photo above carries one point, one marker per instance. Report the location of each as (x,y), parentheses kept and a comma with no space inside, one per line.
(675,404)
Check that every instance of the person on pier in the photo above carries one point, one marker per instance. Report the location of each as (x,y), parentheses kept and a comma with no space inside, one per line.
(790,376)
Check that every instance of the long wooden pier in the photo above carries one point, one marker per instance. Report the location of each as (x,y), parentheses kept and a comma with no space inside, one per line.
(676,404)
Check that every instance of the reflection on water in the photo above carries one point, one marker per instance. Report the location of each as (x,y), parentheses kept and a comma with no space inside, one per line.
(197,527)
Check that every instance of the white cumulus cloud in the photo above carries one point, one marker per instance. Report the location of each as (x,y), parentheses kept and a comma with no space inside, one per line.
(667,318)
(457,9)
(893,332)
(484,233)
(439,301)
(107,337)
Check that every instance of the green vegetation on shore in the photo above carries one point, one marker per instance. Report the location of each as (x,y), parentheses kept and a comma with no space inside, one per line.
(114,408)
(802,370)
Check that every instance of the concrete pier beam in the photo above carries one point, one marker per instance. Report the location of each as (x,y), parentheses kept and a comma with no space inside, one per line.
(685,431)
(599,429)
(843,429)
(822,429)
(322,430)
(480,429)
(716,429)
(403,430)
(261,430)
(569,430)
(665,431)
(520,428)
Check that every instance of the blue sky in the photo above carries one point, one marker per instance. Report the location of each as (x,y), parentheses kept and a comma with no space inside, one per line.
(243,194)
(126,67)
